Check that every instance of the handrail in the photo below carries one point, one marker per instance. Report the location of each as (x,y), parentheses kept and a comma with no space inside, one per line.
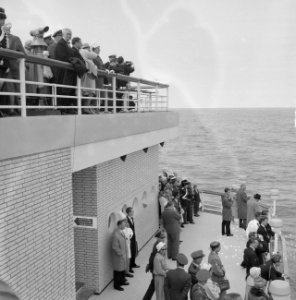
(134,95)
(56,63)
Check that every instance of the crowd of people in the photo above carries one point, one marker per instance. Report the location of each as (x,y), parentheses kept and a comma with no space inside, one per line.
(179,203)
(85,59)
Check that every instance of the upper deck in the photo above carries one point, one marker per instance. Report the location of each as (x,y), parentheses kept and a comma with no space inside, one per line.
(116,129)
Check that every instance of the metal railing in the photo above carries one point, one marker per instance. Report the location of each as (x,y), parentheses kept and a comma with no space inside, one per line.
(137,95)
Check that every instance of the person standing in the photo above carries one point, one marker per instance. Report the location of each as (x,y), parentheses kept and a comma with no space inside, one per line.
(218,270)
(194,267)
(242,198)
(160,237)
(226,212)
(133,244)
(250,256)
(160,269)
(178,281)
(196,200)
(198,291)
(119,254)
(253,207)
(171,223)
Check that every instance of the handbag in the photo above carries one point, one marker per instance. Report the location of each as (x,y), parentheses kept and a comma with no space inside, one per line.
(224,285)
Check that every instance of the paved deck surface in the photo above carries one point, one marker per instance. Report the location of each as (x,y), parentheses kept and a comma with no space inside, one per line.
(206,229)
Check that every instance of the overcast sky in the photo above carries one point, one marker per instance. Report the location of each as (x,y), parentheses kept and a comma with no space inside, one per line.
(213,53)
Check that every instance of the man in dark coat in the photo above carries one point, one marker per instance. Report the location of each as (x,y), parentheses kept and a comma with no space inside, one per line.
(9,68)
(171,223)
(178,281)
(63,52)
(250,256)
(269,271)
(263,229)
(226,212)
(133,241)
(194,267)
(242,198)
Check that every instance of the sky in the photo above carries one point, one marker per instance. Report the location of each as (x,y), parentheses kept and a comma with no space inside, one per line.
(212,53)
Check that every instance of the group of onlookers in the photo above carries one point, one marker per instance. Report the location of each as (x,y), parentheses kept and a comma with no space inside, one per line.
(85,59)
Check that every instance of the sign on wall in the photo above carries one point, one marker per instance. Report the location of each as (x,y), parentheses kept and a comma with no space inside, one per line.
(85,222)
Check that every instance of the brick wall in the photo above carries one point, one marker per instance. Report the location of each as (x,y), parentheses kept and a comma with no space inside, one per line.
(36,226)
(86,239)
(120,183)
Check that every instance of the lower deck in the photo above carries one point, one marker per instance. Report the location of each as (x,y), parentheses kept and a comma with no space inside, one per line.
(206,229)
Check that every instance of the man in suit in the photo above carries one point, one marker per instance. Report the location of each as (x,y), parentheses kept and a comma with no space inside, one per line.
(63,52)
(242,198)
(269,271)
(250,256)
(9,68)
(119,255)
(171,223)
(133,241)
(178,281)
(263,229)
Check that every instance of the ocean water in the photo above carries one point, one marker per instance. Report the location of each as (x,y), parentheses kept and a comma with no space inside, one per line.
(218,147)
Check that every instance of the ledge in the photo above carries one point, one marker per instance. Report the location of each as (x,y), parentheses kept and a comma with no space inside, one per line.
(26,136)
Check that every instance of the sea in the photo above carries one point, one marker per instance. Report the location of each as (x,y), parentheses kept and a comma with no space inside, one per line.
(218,148)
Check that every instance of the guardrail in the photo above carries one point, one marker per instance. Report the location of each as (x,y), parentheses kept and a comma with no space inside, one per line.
(137,95)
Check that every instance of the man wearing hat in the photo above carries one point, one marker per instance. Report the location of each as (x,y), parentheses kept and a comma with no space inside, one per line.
(119,255)
(194,267)
(253,207)
(178,281)
(51,48)
(171,223)
(198,291)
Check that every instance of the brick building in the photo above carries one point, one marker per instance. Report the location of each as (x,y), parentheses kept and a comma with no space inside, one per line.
(56,170)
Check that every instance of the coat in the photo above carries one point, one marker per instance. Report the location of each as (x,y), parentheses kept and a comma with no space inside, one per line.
(242,198)
(269,272)
(63,52)
(218,271)
(119,252)
(171,221)
(177,284)
(252,208)
(192,270)
(198,293)
(226,204)
(250,259)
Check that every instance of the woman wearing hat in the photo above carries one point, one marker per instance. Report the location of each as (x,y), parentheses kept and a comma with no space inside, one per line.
(254,279)
(218,271)
(160,269)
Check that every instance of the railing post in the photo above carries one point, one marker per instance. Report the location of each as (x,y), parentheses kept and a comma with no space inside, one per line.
(276,225)
(274,194)
(156,96)
(23,86)
(138,94)
(167,96)
(114,93)
(280,289)
(79,111)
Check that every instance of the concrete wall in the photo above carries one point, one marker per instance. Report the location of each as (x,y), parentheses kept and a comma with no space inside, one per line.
(36,226)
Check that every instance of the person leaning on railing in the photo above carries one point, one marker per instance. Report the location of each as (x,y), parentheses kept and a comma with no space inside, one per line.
(9,68)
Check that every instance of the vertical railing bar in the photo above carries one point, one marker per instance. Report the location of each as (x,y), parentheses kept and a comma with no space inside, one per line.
(22,70)
(79,110)
(114,93)
(138,94)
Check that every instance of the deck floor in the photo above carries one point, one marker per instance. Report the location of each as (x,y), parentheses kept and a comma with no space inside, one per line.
(206,229)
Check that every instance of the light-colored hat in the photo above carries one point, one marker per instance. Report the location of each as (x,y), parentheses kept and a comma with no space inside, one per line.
(95,45)
(85,45)
(160,245)
(280,290)
(206,266)
(255,272)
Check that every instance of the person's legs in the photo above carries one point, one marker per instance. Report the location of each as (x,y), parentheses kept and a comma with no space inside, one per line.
(227,223)
(223,227)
